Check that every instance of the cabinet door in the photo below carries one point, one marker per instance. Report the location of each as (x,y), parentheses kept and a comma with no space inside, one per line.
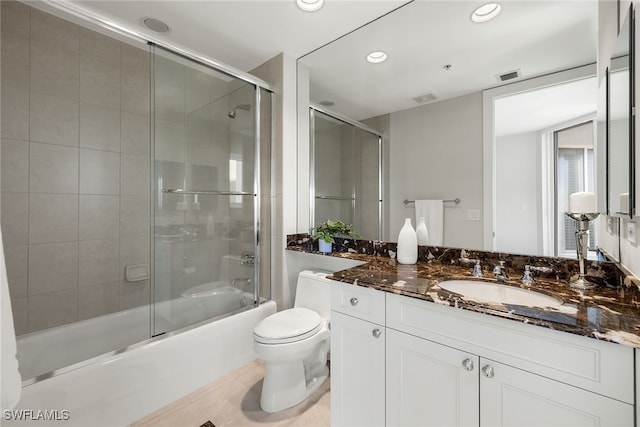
(357,372)
(513,397)
(430,384)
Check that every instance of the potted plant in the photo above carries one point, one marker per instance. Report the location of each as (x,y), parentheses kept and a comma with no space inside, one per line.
(329,229)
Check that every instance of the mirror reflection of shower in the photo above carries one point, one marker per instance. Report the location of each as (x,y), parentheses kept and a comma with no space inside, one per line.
(234,111)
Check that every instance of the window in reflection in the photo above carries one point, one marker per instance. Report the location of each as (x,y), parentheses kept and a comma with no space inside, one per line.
(574,173)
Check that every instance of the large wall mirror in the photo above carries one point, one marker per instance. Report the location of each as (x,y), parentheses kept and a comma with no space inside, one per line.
(430,89)
(620,138)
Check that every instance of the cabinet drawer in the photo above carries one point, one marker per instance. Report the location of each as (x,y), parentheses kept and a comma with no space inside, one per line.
(598,366)
(363,303)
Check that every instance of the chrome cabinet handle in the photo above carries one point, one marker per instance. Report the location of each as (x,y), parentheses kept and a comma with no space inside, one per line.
(376,333)
(467,364)
(487,371)
(354,301)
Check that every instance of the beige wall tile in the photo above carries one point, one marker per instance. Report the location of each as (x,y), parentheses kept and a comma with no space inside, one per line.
(135,137)
(54,120)
(135,61)
(15,18)
(53,267)
(52,309)
(135,175)
(14,170)
(16,258)
(99,172)
(19,308)
(100,81)
(135,94)
(98,300)
(135,214)
(53,218)
(98,45)
(99,217)
(100,127)
(99,261)
(15,113)
(134,294)
(54,71)
(169,140)
(15,60)
(53,168)
(54,31)
(15,213)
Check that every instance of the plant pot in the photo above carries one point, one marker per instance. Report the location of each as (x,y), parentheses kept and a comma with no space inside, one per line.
(325,247)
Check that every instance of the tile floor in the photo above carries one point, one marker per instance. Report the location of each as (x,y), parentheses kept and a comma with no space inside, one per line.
(234,400)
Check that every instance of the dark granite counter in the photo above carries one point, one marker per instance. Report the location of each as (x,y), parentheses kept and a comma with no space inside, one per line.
(610,312)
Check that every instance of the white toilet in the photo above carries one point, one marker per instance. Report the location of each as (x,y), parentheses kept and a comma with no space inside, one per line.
(294,344)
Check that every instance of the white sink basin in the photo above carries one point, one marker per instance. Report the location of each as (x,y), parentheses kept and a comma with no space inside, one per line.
(497,293)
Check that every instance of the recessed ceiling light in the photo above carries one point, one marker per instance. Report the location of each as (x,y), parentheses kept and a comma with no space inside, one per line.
(155,25)
(377,57)
(486,12)
(310,5)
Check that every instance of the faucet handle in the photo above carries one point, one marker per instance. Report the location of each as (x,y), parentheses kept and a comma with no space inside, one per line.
(499,267)
(477,269)
(527,278)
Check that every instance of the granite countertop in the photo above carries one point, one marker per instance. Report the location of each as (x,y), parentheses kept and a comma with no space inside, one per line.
(610,312)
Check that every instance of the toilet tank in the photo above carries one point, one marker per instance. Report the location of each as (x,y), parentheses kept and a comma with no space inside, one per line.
(312,292)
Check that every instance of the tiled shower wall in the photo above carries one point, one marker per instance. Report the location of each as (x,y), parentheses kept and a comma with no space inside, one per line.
(75,169)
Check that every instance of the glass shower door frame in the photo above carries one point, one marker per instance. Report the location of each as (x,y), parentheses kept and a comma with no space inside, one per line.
(313,110)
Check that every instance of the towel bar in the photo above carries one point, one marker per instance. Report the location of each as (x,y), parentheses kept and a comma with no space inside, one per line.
(456,201)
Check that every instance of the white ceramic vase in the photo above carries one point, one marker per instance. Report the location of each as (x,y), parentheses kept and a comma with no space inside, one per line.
(407,244)
(422,233)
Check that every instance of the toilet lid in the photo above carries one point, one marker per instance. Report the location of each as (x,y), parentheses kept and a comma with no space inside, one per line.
(296,323)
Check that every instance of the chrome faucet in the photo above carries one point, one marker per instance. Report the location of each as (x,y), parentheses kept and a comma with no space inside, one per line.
(498,271)
(527,278)
(477,268)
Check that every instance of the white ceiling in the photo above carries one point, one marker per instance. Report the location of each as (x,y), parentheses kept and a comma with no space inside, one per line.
(534,36)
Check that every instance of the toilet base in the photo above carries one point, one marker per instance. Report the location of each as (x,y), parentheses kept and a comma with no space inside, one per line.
(285,385)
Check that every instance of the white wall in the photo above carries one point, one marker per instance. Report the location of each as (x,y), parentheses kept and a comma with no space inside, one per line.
(280,73)
(517,187)
(436,153)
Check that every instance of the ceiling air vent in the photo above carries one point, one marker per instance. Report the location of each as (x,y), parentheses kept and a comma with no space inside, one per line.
(427,97)
(508,76)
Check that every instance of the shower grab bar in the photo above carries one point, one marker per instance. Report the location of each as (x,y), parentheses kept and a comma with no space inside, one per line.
(208,193)
(334,197)
(456,201)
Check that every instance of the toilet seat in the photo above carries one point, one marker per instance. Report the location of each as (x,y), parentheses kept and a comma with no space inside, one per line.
(288,326)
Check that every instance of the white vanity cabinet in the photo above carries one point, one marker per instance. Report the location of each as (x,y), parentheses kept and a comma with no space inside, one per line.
(357,356)
(452,367)
(429,384)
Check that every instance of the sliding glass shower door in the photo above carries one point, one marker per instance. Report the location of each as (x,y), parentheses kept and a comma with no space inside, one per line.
(346,174)
(206,193)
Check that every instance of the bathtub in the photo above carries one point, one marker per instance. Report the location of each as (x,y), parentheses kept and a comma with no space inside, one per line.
(117,388)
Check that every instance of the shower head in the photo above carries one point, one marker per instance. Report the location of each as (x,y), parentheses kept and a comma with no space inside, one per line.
(234,111)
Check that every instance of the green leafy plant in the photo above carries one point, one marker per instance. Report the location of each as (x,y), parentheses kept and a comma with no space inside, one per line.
(330,229)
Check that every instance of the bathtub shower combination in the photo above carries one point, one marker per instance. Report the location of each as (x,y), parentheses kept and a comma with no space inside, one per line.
(164,283)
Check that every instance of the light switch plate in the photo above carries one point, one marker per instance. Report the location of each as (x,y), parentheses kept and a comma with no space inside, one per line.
(631,232)
(473,214)
(610,225)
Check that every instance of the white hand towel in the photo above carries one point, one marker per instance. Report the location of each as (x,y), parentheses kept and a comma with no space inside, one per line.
(433,213)
(11,387)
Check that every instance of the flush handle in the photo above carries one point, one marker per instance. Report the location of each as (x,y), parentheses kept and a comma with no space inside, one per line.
(354,301)
(376,333)
(467,364)
(487,371)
